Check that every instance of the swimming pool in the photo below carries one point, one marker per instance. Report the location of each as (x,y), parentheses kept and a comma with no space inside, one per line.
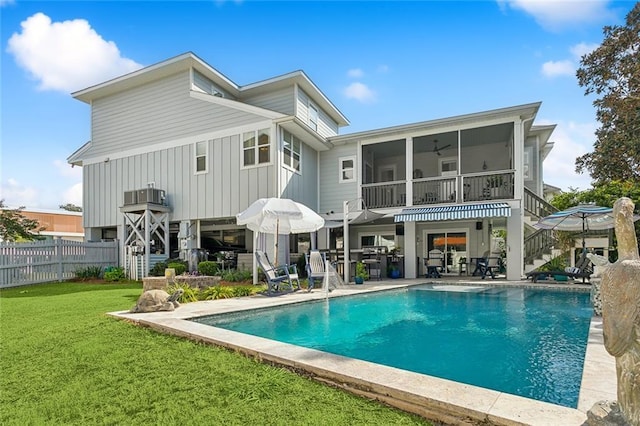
(521,341)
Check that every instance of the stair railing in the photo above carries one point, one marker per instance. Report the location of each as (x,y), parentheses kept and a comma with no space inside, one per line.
(542,240)
(538,244)
(536,206)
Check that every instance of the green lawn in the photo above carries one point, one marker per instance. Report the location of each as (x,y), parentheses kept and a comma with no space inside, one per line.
(64,361)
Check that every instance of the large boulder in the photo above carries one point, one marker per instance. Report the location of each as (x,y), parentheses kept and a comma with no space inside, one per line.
(157,300)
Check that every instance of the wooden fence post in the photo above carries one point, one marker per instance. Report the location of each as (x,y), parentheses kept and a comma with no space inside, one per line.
(59,257)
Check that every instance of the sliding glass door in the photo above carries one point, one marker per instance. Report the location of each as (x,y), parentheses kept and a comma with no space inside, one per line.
(453,244)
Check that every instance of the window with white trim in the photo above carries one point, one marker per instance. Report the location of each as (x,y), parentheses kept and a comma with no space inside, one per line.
(291,147)
(201,157)
(313,117)
(347,167)
(256,147)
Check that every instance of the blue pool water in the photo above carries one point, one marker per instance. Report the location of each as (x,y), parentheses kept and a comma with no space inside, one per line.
(524,342)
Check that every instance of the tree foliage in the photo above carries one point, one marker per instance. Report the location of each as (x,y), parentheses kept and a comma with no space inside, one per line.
(14,226)
(70,207)
(612,72)
(602,195)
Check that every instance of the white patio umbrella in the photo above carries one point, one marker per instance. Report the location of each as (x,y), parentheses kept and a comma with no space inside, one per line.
(583,217)
(279,216)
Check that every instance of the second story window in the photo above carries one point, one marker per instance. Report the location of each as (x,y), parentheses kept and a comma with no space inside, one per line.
(201,157)
(291,147)
(256,147)
(313,117)
(347,169)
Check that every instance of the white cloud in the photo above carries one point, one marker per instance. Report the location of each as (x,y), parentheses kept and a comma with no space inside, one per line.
(383,69)
(567,67)
(355,73)
(571,140)
(581,49)
(66,56)
(17,195)
(73,195)
(66,170)
(360,92)
(558,68)
(557,15)
(56,185)
(6,2)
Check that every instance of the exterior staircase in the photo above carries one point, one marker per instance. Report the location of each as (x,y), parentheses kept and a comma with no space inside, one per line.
(538,243)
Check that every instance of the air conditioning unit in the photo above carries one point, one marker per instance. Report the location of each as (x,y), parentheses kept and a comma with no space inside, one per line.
(130,197)
(151,195)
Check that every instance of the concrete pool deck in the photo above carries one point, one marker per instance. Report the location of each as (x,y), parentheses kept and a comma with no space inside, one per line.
(433,398)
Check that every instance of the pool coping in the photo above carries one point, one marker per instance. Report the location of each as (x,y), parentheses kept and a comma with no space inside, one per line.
(430,397)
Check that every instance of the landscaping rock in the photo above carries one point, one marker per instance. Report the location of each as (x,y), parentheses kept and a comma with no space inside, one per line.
(157,300)
(605,413)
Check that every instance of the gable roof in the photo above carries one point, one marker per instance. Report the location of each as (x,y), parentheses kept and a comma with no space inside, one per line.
(154,72)
(303,81)
(189,60)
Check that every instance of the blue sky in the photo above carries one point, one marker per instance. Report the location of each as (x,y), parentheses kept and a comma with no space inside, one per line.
(381,63)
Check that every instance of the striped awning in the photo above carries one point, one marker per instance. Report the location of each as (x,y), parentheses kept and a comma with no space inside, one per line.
(467,211)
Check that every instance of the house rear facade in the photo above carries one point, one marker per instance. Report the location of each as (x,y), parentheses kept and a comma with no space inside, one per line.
(177,149)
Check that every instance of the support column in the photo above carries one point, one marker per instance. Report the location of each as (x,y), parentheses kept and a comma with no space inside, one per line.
(147,241)
(410,250)
(515,245)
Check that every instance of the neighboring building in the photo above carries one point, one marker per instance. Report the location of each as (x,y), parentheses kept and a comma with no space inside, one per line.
(178,150)
(57,223)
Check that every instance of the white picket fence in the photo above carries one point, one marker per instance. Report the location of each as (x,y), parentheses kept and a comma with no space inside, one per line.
(56,260)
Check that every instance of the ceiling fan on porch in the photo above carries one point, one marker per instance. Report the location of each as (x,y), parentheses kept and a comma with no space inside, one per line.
(436,149)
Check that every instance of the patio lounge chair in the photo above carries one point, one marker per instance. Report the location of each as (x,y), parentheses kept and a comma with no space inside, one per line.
(315,267)
(279,278)
(583,269)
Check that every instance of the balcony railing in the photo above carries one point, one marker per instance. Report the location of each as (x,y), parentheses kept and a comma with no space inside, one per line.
(435,191)
(488,186)
(386,194)
(441,190)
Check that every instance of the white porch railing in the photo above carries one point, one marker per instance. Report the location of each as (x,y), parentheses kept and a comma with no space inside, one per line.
(441,190)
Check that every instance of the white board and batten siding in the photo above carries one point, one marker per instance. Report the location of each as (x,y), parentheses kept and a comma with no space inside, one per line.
(204,85)
(224,190)
(156,112)
(332,191)
(282,101)
(302,186)
(326,126)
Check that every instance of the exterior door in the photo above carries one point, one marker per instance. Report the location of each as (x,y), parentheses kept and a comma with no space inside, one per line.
(451,242)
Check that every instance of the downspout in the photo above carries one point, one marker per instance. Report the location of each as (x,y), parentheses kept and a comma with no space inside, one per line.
(276,161)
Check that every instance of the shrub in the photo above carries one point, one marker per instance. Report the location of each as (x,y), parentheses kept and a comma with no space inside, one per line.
(180,268)
(237,275)
(361,271)
(189,294)
(158,269)
(246,290)
(555,264)
(208,268)
(218,292)
(113,273)
(89,272)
